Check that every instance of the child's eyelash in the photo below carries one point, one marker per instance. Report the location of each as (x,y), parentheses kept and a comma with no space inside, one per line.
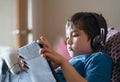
(74,35)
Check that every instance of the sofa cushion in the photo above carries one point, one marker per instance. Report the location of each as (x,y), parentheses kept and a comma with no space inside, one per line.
(112,48)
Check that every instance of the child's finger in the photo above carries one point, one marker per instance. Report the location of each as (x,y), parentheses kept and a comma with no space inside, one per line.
(24,66)
(42,42)
(43,38)
(19,57)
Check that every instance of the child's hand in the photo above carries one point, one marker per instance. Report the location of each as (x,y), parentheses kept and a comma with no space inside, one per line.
(48,52)
(22,63)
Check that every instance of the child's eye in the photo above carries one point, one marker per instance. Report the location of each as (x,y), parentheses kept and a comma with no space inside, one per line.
(75,34)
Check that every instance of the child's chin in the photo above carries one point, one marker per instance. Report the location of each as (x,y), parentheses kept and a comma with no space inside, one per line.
(71,53)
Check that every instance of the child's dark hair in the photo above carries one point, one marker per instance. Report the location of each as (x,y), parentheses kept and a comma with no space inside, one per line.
(90,22)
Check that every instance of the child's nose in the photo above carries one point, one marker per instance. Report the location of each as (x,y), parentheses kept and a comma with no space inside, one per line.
(69,41)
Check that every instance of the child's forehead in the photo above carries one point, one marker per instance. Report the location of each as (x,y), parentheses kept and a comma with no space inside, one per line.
(69,24)
(71,29)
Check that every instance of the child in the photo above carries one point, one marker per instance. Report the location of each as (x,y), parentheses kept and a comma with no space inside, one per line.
(85,33)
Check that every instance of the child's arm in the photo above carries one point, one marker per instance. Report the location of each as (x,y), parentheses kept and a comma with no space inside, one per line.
(70,74)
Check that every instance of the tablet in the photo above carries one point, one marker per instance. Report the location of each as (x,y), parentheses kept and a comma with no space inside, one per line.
(40,69)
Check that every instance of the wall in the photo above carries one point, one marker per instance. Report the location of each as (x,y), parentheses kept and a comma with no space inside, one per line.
(37,14)
(7,22)
(56,12)
(49,16)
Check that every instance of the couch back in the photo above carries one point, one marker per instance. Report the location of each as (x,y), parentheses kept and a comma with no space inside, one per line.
(112,48)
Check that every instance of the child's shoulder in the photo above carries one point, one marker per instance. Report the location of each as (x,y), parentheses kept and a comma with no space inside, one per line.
(100,56)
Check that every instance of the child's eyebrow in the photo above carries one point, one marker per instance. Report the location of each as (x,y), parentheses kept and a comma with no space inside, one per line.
(75,31)
(72,32)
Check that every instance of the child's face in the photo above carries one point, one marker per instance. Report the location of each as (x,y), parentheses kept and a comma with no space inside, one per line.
(77,42)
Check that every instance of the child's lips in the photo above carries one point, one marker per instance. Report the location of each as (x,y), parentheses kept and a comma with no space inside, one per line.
(70,49)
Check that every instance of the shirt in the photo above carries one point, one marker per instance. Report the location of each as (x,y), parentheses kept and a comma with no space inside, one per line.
(96,67)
